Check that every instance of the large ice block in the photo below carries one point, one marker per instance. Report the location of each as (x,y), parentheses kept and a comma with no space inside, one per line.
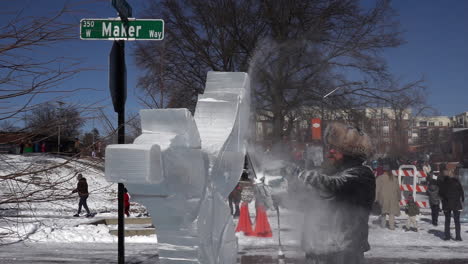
(134,163)
(182,168)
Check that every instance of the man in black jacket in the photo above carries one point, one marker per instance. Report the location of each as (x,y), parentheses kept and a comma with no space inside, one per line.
(452,196)
(82,190)
(336,222)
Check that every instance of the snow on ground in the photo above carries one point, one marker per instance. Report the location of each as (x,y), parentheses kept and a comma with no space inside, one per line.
(52,223)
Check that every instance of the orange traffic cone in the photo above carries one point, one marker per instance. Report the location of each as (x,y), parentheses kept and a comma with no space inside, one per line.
(244,224)
(262,227)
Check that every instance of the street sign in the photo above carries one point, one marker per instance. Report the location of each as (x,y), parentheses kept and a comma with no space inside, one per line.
(116,29)
(124,9)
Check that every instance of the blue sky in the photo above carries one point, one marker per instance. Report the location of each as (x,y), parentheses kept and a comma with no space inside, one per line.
(436,34)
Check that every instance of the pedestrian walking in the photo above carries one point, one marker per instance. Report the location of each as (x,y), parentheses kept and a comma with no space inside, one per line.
(126,202)
(388,195)
(412,210)
(340,200)
(82,190)
(452,196)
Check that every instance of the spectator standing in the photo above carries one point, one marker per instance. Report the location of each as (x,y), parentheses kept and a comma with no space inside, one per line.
(77,147)
(22,147)
(412,210)
(82,190)
(388,196)
(427,168)
(126,202)
(434,200)
(452,196)
(234,199)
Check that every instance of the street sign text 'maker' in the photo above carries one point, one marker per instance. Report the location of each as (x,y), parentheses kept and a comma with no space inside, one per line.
(115,29)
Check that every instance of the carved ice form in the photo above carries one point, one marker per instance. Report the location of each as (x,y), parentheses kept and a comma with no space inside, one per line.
(182,168)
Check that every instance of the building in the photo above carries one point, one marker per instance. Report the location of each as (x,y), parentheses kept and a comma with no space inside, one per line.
(429,129)
(388,128)
(460,120)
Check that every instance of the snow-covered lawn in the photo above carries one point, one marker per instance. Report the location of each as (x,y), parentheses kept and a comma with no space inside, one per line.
(54,221)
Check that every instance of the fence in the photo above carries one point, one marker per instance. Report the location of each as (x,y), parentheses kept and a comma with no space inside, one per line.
(410,180)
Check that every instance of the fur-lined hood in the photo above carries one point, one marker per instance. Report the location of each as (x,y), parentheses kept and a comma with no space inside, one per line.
(348,140)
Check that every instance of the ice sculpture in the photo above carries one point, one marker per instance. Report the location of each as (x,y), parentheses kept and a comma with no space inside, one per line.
(183,167)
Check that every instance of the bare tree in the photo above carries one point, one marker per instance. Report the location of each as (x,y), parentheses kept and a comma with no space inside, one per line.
(23,74)
(8,126)
(45,119)
(295,51)
(28,80)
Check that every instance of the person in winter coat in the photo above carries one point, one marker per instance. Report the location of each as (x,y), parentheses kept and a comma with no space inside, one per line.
(82,190)
(412,210)
(234,199)
(452,196)
(340,200)
(427,168)
(434,200)
(126,202)
(388,196)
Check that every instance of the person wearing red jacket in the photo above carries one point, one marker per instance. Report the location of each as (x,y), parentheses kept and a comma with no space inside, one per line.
(126,202)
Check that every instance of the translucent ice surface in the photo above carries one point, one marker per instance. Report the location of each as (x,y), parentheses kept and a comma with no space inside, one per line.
(222,116)
(183,167)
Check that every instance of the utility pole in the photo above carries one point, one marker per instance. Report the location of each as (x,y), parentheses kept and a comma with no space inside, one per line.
(60,120)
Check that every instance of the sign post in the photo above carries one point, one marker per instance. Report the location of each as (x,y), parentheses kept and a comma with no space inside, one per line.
(124,9)
(118,88)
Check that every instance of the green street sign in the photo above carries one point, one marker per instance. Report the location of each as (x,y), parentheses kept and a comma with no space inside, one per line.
(115,29)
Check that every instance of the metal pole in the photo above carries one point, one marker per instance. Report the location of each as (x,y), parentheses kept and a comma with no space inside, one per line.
(121,237)
(58,143)
(121,221)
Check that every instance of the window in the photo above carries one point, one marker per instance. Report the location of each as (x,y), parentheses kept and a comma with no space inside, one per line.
(423,123)
(385,133)
(441,123)
(431,124)
(385,123)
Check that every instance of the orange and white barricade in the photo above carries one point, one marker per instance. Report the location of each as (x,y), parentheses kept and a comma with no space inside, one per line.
(409,179)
